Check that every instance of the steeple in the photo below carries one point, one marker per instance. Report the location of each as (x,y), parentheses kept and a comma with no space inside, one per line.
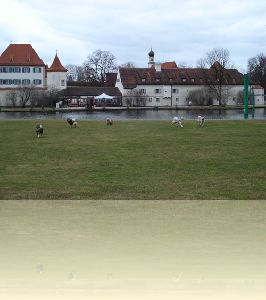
(151,62)
(56,65)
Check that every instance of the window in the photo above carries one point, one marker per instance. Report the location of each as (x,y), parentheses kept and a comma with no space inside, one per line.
(150,99)
(25,81)
(175,91)
(62,82)
(14,69)
(176,100)
(37,70)
(25,70)
(157,99)
(16,81)
(158,91)
(142,91)
(37,81)
(3,70)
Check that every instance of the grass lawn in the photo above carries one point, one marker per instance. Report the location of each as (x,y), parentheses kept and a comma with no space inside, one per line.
(133,160)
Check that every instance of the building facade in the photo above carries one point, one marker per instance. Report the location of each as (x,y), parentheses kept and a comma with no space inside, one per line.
(169,86)
(20,66)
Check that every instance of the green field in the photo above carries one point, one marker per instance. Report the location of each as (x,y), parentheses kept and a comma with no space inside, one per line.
(133,160)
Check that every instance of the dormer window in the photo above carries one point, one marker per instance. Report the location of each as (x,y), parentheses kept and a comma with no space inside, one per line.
(184,79)
(192,79)
(158,79)
(143,80)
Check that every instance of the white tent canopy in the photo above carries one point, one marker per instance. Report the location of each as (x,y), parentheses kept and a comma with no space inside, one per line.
(104,96)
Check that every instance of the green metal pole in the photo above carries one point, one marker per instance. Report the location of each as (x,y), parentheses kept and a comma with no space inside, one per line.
(253,103)
(246,96)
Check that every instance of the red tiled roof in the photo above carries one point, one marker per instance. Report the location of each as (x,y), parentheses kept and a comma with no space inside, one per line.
(169,65)
(56,66)
(110,79)
(131,77)
(257,86)
(20,55)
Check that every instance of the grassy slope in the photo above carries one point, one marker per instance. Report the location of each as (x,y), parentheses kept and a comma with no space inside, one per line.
(133,160)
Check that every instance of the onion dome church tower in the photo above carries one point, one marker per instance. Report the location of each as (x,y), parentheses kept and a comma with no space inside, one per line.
(56,75)
(151,62)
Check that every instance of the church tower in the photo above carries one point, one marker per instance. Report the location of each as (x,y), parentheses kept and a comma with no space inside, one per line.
(151,62)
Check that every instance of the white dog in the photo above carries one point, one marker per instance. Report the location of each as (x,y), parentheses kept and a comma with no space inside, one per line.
(177,121)
(201,120)
(39,130)
(72,122)
(109,121)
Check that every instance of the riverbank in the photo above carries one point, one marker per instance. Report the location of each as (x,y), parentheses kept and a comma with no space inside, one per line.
(70,109)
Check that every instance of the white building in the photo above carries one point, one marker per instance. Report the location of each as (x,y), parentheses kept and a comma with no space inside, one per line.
(167,85)
(21,66)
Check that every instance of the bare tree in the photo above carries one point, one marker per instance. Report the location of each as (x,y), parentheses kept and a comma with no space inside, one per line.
(183,64)
(72,74)
(25,94)
(98,64)
(200,96)
(11,97)
(135,97)
(128,65)
(214,72)
(257,69)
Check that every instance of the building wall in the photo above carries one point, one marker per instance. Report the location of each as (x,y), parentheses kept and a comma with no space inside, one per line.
(3,101)
(35,77)
(160,95)
(22,76)
(56,80)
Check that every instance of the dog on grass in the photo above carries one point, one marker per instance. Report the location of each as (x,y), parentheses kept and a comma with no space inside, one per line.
(72,122)
(39,130)
(201,121)
(109,121)
(177,121)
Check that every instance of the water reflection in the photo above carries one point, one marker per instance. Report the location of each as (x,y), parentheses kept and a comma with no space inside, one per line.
(230,114)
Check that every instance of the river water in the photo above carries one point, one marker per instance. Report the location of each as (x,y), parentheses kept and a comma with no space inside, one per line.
(138,114)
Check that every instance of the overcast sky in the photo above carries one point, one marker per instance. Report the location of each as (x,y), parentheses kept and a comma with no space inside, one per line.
(180,30)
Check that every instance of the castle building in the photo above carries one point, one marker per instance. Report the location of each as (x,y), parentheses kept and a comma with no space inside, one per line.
(165,84)
(20,66)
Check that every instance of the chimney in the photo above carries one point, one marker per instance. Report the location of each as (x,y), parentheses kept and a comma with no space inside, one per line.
(158,67)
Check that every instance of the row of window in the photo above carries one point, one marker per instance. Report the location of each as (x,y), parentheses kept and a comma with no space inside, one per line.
(158,91)
(20,70)
(156,99)
(183,80)
(19,81)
